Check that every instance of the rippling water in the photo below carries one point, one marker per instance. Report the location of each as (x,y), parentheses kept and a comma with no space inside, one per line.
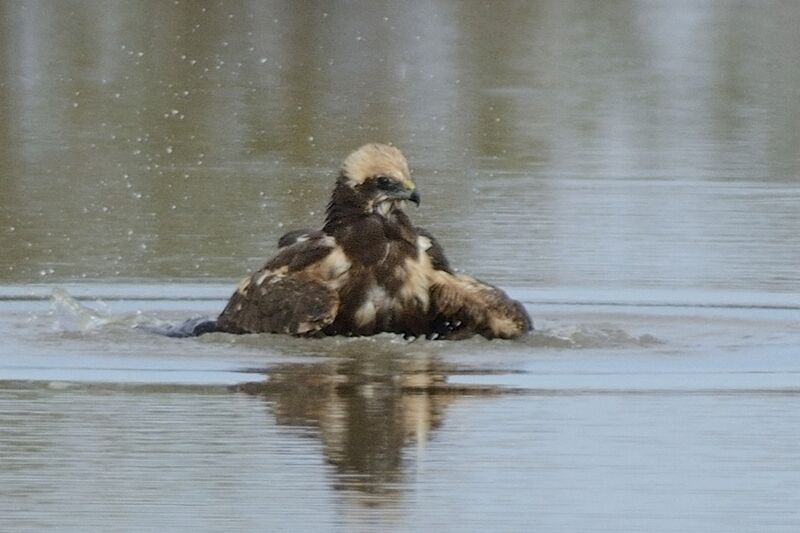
(629,170)
(650,414)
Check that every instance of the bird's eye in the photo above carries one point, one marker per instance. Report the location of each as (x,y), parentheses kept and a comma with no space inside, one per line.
(384,182)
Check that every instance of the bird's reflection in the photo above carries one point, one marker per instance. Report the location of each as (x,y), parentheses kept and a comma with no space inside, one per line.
(366,409)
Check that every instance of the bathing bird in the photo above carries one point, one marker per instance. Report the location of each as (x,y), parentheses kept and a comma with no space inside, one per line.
(369,270)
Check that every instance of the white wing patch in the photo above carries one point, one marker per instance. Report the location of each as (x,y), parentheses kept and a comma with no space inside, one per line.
(262,277)
(423,243)
(242,287)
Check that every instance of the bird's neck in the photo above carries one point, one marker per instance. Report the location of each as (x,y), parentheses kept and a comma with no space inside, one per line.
(348,209)
(345,207)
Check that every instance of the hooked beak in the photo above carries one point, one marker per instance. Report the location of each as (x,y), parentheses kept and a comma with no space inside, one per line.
(403,192)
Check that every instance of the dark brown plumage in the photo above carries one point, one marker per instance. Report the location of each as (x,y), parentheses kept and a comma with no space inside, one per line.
(369,270)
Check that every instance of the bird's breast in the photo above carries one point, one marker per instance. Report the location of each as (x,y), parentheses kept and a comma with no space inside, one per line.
(375,305)
(395,295)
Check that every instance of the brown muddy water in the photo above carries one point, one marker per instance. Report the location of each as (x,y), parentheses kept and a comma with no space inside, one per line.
(627,169)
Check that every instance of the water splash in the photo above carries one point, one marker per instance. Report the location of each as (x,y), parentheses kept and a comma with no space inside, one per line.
(71,315)
(583,336)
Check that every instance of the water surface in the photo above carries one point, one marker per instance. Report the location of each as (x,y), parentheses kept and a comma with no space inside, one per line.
(628,169)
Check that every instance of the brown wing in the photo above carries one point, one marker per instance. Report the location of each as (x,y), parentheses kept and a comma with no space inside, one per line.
(467,305)
(298,235)
(463,305)
(292,294)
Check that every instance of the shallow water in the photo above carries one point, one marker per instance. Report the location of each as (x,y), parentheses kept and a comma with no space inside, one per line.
(629,170)
(614,416)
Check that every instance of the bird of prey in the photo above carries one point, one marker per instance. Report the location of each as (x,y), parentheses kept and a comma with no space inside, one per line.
(369,270)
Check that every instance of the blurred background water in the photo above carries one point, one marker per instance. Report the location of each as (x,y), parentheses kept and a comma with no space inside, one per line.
(556,143)
(629,169)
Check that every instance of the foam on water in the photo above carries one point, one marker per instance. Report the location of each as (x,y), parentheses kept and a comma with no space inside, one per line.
(103,333)
(578,336)
(69,314)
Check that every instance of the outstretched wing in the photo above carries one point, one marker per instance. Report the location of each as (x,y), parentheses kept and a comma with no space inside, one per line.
(294,293)
(464,305)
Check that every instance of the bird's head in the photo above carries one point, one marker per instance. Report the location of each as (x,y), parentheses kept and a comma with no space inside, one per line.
(379,175)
